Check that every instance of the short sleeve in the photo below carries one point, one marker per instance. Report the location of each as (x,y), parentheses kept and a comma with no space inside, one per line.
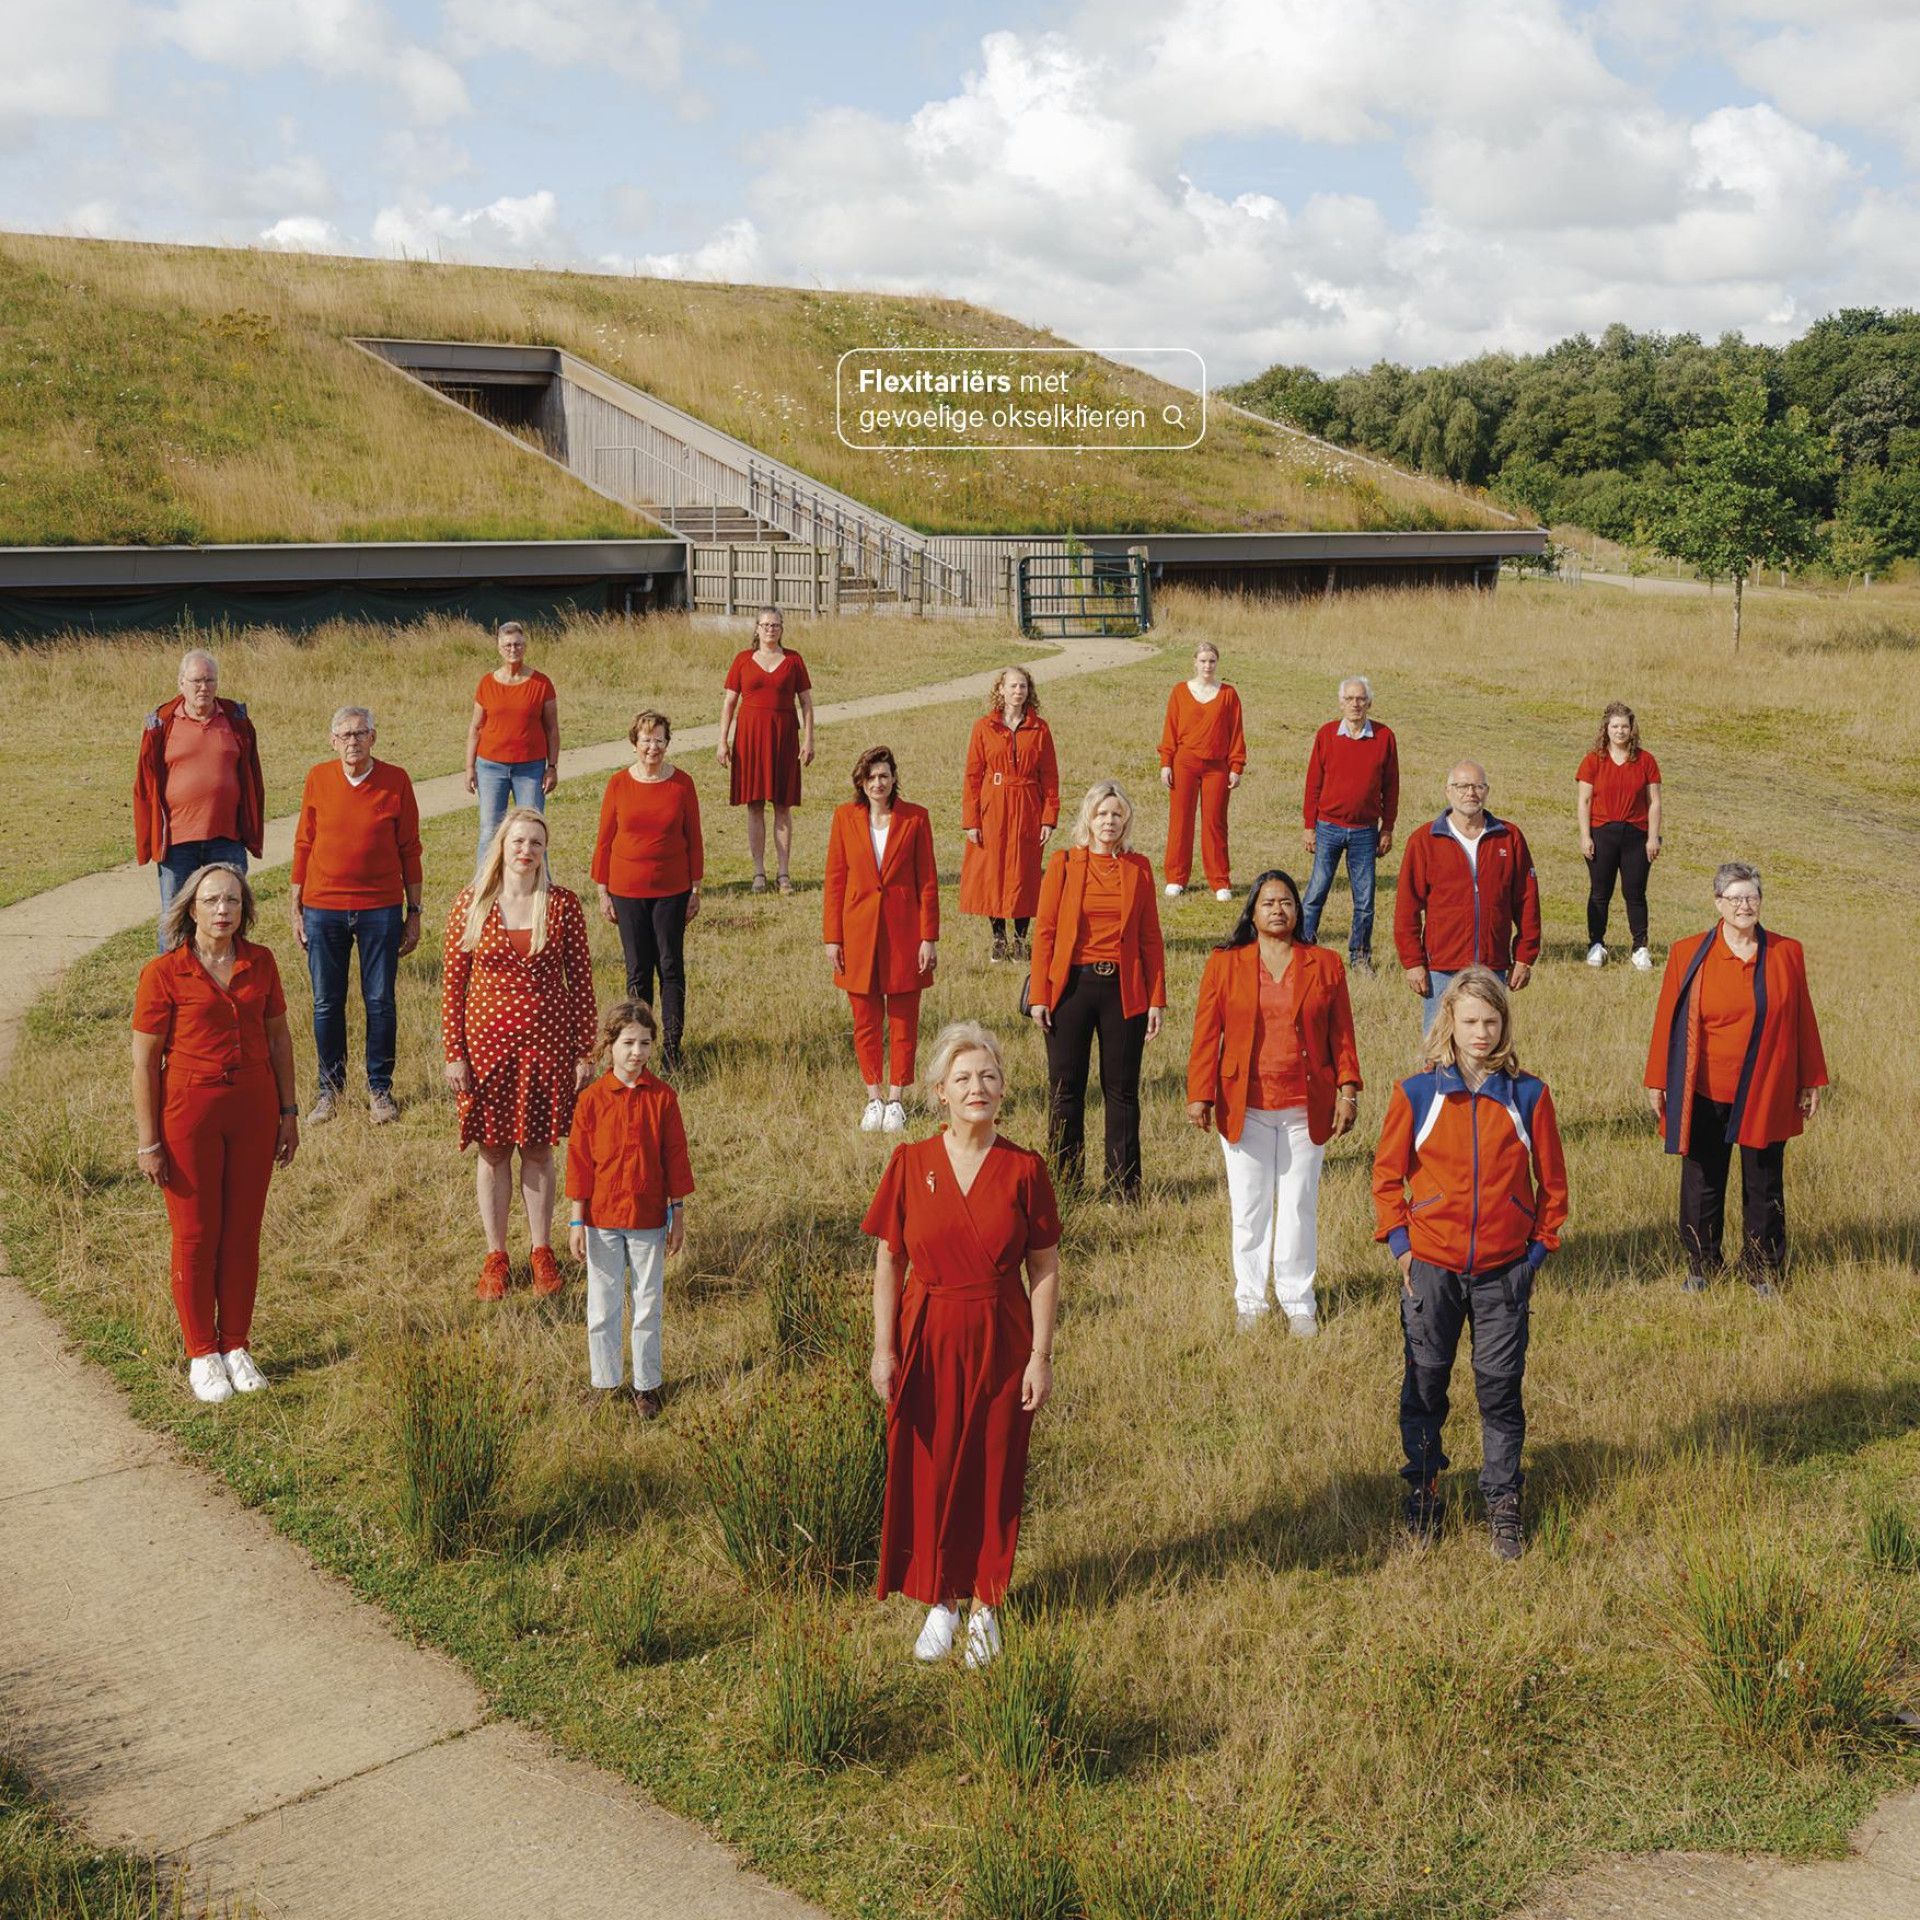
(887,1217)
(480,692)
(736,675)
(276,994)
(153,999)
(1649,769)
(1042,1206)
(548,691)
(1589,769)
(801,682)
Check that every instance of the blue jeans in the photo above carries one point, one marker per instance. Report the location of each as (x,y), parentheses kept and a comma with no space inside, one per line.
(1437,984)
(1359,845)
(505,783)
(185,858)
(332,935)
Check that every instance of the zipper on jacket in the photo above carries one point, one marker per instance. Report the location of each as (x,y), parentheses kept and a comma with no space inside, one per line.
(1473,1122)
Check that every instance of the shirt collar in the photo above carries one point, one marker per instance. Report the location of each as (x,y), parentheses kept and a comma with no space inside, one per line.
(1366,728)
(360,779)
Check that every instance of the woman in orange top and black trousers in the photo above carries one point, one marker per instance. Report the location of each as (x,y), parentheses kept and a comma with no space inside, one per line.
(1735,1060)
(1617,801)
(1098,968)
(1203,752)
(648,861)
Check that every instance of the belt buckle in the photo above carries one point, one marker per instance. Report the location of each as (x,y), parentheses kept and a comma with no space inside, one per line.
(1104,968)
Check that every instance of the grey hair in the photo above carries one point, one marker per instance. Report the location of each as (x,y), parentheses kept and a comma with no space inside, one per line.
(509,626)
(1082,835)
(1732,871)
(340,713)
(1359,680)
(198,653)
(956,1038)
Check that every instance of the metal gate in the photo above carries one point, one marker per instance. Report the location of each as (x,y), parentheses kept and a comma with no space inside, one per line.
(1078,596)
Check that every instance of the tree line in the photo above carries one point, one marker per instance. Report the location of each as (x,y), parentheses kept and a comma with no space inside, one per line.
(1619,434)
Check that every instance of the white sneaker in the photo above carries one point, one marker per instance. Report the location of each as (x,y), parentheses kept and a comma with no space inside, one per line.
(936,1637)
(894,1119)
(1303,1326)
(1223,893)
(1596,955)
(1643,959)
(983,1640)
(1174,890)
(207,1376)
(246,1377)
(1248,1319)
(875,1116)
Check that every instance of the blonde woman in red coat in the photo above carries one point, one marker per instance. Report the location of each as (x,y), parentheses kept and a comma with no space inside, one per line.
(1009,806)
(1203,752)
(881,927)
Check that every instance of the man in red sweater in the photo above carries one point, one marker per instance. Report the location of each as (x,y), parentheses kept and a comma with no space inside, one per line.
(356,857)
(1352,800)
(1468,896)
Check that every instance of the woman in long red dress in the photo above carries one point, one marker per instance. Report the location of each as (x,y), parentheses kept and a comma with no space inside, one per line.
(766,737)
(517,1019)
(1009,806)
(1203,752)
(962,1351)
(880,922)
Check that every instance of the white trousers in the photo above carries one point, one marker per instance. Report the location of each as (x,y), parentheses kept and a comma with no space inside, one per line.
(1273,1185)
(613,1255)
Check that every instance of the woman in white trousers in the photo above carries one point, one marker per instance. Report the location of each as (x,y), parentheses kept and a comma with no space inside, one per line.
(1274,1067)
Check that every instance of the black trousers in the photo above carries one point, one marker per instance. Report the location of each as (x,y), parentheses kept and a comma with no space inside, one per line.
(999,927)
(1090,1006)
(653,936)
(1622,850)
(1704,1174)
(1497,1306)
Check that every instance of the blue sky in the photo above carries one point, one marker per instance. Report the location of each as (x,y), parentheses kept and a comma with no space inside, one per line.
(1260,179)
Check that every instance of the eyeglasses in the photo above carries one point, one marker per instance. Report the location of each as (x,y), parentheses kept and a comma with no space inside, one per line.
(1466,786)
(354,733)
(1750,902)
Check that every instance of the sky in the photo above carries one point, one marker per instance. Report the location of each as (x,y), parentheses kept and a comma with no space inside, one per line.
(1261,180)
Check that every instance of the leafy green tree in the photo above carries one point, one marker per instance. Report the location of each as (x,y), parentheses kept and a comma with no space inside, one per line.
(1745,492)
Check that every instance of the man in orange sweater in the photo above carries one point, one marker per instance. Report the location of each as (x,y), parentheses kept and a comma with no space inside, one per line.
(356,857)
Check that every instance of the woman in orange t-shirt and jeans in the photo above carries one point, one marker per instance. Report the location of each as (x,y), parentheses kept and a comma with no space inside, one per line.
(1617,800)
(513,743)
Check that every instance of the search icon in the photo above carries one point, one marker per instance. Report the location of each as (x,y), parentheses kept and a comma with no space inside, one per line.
(1174,417)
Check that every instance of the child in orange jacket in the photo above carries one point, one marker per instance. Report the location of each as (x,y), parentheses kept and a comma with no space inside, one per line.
(1470,1193)
(628,1179)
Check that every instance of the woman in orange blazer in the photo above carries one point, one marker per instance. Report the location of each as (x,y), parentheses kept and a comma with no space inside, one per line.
(1275,1066)
(1735,1060)
(1098,967)
(881,923)
(1203,753)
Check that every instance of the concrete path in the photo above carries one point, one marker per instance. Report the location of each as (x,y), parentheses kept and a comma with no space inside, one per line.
(182,1679)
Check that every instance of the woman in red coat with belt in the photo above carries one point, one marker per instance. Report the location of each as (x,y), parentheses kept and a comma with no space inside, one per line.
(1275,1066)
(1009,806)
(962,1351)
(881,923)
(766,737)
(1735,1060)
(1203,752)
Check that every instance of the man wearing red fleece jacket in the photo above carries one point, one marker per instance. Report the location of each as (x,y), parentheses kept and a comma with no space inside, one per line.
(1468,896)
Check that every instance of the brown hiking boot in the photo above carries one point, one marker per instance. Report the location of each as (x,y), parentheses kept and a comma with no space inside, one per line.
(494,1274)
(547,1278)
(1503,1523)
(647,1402)
(383,1107)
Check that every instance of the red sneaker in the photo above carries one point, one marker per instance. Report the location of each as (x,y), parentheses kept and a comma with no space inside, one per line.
(547,1277)
(494,1273)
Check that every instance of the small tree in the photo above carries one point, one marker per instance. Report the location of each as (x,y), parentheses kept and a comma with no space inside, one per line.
(1744,492)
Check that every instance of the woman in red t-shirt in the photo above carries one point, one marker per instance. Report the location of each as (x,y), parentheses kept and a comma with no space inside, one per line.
(1618,805)
(766,737)
(513,743)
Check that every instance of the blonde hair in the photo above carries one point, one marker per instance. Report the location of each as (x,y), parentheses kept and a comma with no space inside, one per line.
(176,924)
(492,871)
(1082,835)
(956,1038)
(995,704)
(1472,983)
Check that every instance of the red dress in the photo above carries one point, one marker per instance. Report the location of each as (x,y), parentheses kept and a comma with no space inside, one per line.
(956,1432)
(1011,790)
(521,1024)
(766,730)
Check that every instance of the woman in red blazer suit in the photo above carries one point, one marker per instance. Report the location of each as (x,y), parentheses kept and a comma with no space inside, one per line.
(1735,1060)
(880,924)
(1098,967)
(1275,1065)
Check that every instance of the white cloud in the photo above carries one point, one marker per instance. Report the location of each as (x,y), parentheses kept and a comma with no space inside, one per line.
(734,253)
(513,229)
(338,39)
(60,57)
(304,233)
(632,37)
(1837,70)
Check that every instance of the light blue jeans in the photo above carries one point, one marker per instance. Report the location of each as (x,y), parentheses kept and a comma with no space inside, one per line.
(1437,984)
(619,1258)
(505,783)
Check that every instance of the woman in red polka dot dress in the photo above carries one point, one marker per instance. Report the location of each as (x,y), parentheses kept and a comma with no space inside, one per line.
(517,1016)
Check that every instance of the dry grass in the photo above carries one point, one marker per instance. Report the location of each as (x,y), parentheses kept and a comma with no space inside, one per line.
(172,393)
(78,704)
(1431,1735)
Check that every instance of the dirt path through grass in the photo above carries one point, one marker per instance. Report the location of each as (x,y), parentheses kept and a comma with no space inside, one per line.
(179,1676)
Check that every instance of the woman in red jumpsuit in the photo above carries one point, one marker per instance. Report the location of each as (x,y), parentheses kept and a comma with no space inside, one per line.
(1203,752)
(1009,805)
(766,737)
(214,1102)
(962,1351)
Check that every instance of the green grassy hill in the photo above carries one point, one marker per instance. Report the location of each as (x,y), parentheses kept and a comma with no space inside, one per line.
(167,394)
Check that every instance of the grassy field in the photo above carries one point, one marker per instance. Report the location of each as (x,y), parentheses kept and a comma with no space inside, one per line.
(1719,1605)
(79,704)
(163,394)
